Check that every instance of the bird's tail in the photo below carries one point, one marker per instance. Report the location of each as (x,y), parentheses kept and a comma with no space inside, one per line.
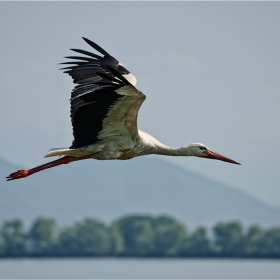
(80,152)
(61,152)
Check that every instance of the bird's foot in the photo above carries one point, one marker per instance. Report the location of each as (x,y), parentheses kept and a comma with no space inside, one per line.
(18,174)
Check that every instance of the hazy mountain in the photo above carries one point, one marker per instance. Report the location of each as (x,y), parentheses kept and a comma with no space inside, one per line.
(108,190)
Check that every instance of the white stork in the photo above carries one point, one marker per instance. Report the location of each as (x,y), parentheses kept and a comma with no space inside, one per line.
(104,109)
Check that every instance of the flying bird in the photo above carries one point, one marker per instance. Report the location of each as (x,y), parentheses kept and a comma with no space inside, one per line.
(104,110)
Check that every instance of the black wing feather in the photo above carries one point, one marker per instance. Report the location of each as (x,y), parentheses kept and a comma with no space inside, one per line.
(95,46)
(80,58)
(117,74)
(87,53)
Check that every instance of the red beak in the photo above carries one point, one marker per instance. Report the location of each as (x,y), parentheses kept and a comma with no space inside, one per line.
(214,155)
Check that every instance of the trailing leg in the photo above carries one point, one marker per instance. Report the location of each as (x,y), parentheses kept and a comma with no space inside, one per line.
(27,172)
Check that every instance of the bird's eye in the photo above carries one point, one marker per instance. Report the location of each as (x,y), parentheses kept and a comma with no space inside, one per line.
(203,148)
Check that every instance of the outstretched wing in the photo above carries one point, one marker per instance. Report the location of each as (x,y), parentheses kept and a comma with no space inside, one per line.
(105,103)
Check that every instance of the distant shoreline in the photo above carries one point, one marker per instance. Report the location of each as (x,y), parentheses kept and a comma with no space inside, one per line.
(137,236)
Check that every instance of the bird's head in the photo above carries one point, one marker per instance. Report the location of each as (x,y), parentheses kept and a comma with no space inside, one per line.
(200,150)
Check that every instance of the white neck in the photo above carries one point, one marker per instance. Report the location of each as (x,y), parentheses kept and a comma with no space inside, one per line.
(149,145)
(170,151)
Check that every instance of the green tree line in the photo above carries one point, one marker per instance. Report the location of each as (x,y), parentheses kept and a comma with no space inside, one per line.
(137,236)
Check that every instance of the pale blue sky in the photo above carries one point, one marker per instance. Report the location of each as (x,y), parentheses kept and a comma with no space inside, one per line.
(210,70)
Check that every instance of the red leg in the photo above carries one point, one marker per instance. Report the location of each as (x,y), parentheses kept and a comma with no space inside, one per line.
(26,172)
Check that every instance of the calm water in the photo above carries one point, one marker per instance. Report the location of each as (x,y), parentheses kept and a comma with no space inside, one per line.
(139,268)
